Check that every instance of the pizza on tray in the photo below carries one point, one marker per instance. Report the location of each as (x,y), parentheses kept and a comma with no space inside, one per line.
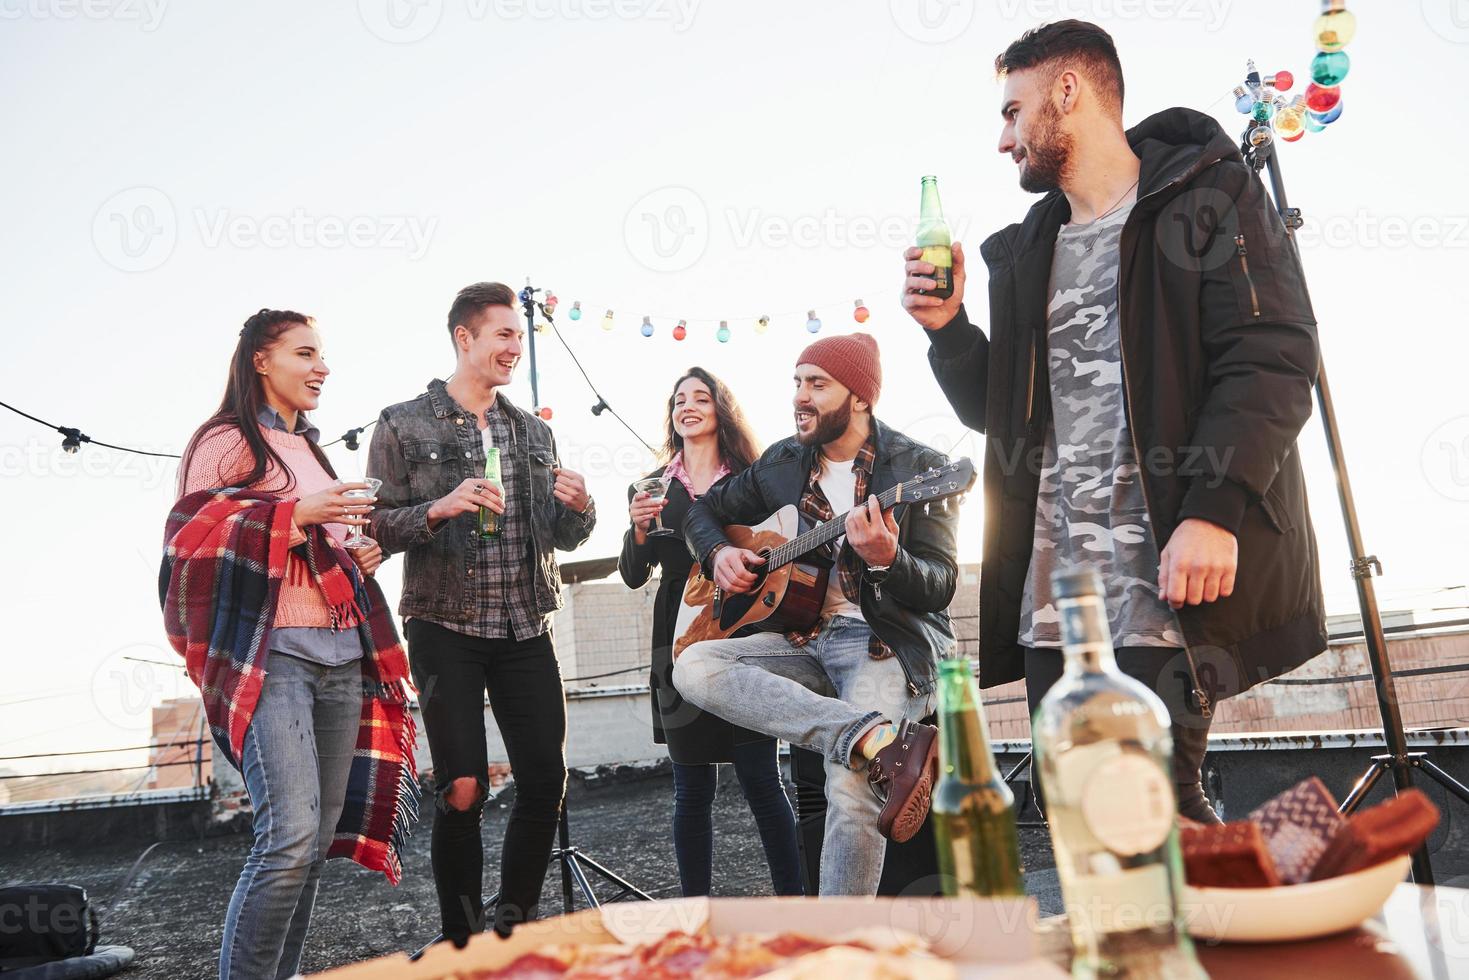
(878,955)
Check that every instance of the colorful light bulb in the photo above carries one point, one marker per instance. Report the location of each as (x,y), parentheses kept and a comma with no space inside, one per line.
(1335,29)
(576,310)
(681,331)
(722,334)
(813,325)
(1329,116)
(1261,136)
(545,412)
(1313,125)
(762,324)
(1243,100)
(607,321)
(647,327)
(1281,81)
(1322,99)
(1290,124)
(551,302)
(860,314)
(1263,110)
(1330,67)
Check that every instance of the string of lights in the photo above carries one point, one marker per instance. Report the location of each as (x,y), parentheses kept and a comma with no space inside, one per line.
(73,438)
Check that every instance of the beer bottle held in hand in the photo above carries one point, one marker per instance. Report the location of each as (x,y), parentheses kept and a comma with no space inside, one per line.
(973,810)
(489,521)
(933,238)
(1104,752)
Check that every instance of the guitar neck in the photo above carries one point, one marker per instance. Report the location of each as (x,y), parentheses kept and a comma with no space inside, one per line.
(824,533)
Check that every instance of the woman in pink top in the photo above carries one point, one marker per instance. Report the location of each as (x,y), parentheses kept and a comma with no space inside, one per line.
(298,747)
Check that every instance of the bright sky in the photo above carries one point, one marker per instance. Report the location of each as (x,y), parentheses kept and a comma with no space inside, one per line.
(171,168)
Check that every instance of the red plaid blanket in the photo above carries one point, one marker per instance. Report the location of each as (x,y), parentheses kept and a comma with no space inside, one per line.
(224,559)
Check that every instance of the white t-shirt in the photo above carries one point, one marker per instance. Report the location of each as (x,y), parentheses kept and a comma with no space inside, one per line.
(839,484)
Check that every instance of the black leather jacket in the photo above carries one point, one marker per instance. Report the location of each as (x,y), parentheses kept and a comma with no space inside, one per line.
(424,448)
(909,611)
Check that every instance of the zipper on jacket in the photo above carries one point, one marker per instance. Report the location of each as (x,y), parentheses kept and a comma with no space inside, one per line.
(1201,698)
(1030,388)
(1244,265)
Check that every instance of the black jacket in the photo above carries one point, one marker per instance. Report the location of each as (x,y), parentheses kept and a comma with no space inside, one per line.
(909,611)
(1219,357)
(693,736)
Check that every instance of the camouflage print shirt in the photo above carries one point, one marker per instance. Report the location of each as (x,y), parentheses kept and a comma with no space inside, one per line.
(1091,509)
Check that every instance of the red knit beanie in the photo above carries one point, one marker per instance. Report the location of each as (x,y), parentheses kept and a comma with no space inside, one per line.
(850,358)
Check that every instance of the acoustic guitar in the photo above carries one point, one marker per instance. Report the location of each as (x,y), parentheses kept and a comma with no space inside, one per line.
(792,585)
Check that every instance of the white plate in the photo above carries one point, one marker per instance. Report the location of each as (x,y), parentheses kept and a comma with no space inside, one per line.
(1269,915)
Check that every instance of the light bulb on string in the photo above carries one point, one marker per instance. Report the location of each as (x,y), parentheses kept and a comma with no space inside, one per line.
(861,313)
(1290,125)
(1328,68)
(1290,122)
(1313,125)
(1262,111)
(607,321)
(1329,116)
(545,412)
(722,334)
(1243,100)
(1281,81)
(1320,99)
(1261,136)
(647,327)
(550,303)
(681,331)
(71,442)
(813,325)
(1334,29)
(576,310)
(762,324)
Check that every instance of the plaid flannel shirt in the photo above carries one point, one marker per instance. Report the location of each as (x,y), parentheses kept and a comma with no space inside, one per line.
(849,565)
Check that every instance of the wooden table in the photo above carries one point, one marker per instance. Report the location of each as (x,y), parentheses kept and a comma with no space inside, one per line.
(1420,934)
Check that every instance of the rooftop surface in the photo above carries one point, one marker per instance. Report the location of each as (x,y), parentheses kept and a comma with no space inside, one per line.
(172,912)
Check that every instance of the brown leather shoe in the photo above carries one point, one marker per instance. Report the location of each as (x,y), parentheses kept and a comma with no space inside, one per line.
(902,775)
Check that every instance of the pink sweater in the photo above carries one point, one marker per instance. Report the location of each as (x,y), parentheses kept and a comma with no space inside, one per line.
(222,459)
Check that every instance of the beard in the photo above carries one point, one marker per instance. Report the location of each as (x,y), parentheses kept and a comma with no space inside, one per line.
(829,426)
(1048,154)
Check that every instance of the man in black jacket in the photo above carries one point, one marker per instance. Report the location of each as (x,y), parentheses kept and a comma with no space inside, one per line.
(846,687)
(1151,356)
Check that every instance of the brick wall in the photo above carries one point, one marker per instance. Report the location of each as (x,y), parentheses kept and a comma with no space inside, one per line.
(607,627)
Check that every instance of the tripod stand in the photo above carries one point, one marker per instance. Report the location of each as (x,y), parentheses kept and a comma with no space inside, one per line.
(1397,760)
(574,868)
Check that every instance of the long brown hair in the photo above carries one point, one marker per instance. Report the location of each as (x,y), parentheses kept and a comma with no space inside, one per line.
(244,396)
(737,445)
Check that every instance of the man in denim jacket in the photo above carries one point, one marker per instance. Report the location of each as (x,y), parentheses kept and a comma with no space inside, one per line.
(477,609)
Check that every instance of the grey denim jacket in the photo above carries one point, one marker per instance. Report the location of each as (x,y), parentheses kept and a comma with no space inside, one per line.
(424,448)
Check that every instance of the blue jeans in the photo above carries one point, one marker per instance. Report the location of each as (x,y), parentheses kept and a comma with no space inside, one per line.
(824,696)
(758,771)
(296,759)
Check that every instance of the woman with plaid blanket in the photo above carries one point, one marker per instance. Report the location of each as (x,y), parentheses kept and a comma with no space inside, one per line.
(291,643)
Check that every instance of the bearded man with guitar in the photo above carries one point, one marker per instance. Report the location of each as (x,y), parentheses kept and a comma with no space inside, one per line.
(854,668)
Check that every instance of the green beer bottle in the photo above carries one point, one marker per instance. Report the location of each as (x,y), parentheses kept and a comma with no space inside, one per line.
(973,809)
(933,238)
(489,521)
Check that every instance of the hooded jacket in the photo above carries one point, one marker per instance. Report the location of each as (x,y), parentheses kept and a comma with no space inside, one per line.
(1219,355)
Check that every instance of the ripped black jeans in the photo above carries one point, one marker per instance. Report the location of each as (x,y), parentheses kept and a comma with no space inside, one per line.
(453,672)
